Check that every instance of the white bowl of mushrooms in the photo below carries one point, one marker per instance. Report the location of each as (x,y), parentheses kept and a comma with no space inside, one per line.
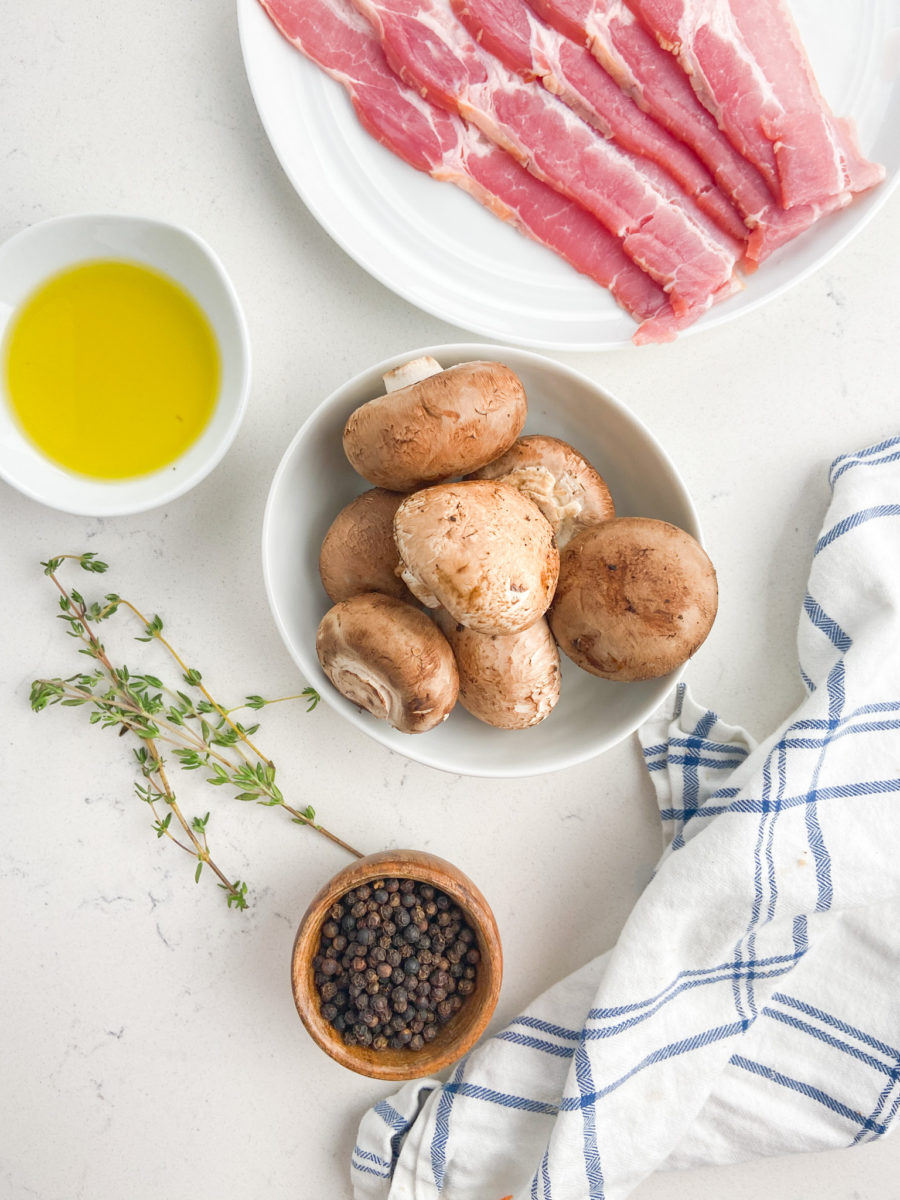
(484,561)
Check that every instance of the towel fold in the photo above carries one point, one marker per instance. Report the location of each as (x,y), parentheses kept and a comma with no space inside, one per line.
(750,1006)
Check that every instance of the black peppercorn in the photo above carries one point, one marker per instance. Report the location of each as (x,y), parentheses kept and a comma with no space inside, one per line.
(394,963)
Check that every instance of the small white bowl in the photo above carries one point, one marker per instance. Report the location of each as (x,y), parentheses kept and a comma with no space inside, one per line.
(314,481)
(39,252)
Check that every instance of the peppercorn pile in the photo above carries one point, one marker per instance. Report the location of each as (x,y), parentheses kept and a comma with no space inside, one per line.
(396,960)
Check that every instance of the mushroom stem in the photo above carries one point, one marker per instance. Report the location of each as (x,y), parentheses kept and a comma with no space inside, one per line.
(411,372)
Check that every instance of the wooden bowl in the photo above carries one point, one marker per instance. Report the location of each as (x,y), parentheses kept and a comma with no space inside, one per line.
(463,1029)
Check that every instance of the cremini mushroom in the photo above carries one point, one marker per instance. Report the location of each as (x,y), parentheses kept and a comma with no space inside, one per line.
(636,597)
(444,424)
(482,550)
(390,659)
(561,482)
(508,680)
(358,552)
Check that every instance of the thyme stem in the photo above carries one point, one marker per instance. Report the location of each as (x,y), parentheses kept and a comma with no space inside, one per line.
(193,677)
(201,732)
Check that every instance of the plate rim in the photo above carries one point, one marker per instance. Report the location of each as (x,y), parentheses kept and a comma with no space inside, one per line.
(854,218)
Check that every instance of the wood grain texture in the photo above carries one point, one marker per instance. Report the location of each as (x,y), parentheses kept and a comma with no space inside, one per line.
(461,1032)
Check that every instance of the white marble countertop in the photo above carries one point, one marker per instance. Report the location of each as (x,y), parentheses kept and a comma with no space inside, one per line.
(151,1047)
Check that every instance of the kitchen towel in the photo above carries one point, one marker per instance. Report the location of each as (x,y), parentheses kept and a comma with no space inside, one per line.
(750,1006)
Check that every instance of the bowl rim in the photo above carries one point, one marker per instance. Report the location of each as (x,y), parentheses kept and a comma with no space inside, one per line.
(168,488)
(463,1030)
(448,353)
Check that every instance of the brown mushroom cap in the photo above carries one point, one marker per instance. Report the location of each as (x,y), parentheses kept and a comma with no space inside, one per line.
(636,597)
(359,553)
(508,680)
(390,659)
(560,481)
(482,550)
(445,425)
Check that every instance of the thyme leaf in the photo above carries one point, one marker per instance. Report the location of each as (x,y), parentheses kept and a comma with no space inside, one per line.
(192,727)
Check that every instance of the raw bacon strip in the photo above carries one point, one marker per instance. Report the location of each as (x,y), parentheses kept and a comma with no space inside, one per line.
(678,247)
(334,36)
(747,64)
(654,80)
(533,49)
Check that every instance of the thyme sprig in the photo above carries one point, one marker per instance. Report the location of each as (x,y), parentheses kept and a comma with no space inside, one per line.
(184,720)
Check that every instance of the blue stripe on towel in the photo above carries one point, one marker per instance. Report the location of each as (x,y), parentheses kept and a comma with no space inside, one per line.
(825,624)
(806,1089)
(844,1027)
(442,1125)
(873,456)
(877,513)
(697,1041)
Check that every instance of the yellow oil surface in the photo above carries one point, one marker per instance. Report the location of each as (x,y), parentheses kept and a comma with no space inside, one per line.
(111,369)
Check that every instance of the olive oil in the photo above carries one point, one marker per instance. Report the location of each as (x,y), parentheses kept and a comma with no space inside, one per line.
(111,369)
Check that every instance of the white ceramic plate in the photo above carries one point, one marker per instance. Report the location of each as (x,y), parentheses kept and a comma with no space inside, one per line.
(314,481)
(440,250)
